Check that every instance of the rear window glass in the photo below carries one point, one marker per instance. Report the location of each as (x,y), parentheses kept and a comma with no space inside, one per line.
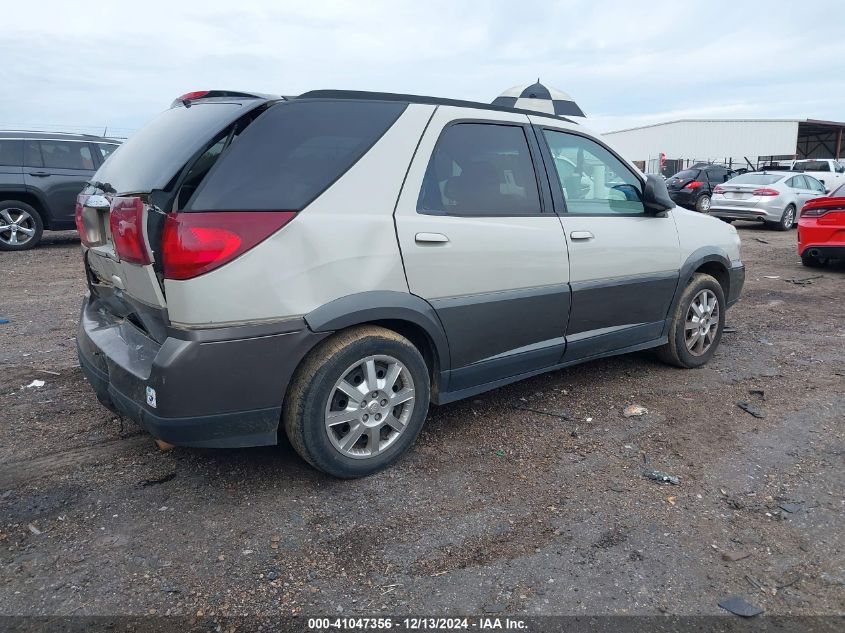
(687,174)
(11,152)
(838,193)
(811,165)
(292,153)
(756,179)
(154,154)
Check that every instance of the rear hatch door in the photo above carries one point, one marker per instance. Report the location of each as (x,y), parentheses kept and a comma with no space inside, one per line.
(120,213)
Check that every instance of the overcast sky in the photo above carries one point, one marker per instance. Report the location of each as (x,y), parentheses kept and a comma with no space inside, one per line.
(116,64)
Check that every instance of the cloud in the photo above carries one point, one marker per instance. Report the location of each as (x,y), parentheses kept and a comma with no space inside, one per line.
(116,64)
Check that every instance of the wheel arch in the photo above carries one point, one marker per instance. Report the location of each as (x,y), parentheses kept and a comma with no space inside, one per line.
(404,313)
(711,260)
(30,198)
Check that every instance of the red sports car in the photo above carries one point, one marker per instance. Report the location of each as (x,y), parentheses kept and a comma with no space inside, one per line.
(821,229)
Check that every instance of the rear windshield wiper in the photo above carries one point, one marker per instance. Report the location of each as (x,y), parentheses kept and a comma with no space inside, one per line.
(102,186)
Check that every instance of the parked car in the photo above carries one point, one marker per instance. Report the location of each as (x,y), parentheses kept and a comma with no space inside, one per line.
(831,173)
(821,229)
(329,265)
(41,173)
(773,198)
(693,188)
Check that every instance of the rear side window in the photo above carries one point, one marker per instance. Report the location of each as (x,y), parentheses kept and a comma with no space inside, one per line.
(11,152)
(717,176)
(106,149)
(66,155)
(32,154)
(480,169)
(292,153)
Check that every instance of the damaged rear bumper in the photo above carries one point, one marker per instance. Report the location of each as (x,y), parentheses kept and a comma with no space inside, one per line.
(221,387)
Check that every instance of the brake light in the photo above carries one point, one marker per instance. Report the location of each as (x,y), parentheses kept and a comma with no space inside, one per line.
(695,184)
(766,192)
(718,189)
(194,243)
(196,94)
(126,220)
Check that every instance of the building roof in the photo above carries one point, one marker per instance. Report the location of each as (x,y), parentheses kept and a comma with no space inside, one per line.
(818,122)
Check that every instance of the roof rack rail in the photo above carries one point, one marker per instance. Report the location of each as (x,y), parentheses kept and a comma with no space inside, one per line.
(365,95)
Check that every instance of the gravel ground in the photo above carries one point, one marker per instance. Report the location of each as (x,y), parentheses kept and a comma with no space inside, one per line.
(527,500)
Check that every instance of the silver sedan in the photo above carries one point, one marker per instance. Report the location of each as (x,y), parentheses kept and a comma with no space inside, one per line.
(775,198)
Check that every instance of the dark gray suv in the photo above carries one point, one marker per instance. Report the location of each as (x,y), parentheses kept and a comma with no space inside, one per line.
(41,173)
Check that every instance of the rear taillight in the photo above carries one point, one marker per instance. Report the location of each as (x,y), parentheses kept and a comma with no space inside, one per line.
(822,206)
(194,243)
(695,184)
(718,189)
(766,192)
(126,220)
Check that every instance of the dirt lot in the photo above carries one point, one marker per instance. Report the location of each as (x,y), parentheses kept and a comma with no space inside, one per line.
(529,500)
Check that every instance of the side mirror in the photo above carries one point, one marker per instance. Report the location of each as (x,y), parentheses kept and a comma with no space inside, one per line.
(655,196)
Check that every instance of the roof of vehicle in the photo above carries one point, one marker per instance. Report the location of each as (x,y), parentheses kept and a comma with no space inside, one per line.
(67,136)
(364,95)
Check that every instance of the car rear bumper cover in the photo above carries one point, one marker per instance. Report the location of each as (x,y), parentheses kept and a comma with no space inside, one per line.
(220,387)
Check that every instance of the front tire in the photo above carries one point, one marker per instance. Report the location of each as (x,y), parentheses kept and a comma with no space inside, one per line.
(695,329)
(702,205)
(21,226)
(357,402)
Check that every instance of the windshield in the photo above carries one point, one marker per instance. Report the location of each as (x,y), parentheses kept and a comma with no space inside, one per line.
(755,179)
(154,154)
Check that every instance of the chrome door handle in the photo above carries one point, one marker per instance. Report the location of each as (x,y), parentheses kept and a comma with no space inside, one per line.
(430,238)
(581,235)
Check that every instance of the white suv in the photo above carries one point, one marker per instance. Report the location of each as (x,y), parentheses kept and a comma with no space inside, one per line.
(331,264)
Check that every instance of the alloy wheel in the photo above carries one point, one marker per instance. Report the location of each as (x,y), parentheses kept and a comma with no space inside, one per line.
(702,322)
(369,406)
(17,226)
(788,218)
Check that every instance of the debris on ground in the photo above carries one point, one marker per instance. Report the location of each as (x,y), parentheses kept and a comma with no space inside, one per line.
(803,282)
(563,415)
(738,606)
(634,410)
(164,446)
(728,329)
(757,392)
(771,276)
(34,529)
(34,383)
(752,409)
(732,557)
(659,475)
(792,508)
(671,500)
(4,321)
(761,240)
(158,480)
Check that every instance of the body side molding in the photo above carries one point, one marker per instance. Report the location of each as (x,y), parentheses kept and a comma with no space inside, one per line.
(382,305)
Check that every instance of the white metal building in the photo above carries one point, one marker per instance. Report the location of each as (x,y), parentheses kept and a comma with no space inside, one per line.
(729,141)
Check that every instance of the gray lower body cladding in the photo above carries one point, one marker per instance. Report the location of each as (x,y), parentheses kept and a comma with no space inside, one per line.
(214,388)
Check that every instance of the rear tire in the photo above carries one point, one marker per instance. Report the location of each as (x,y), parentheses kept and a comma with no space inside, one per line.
(684,348)
(702,205)
(339,413)
(27,223)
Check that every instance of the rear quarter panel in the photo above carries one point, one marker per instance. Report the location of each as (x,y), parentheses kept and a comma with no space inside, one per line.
(342,243)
